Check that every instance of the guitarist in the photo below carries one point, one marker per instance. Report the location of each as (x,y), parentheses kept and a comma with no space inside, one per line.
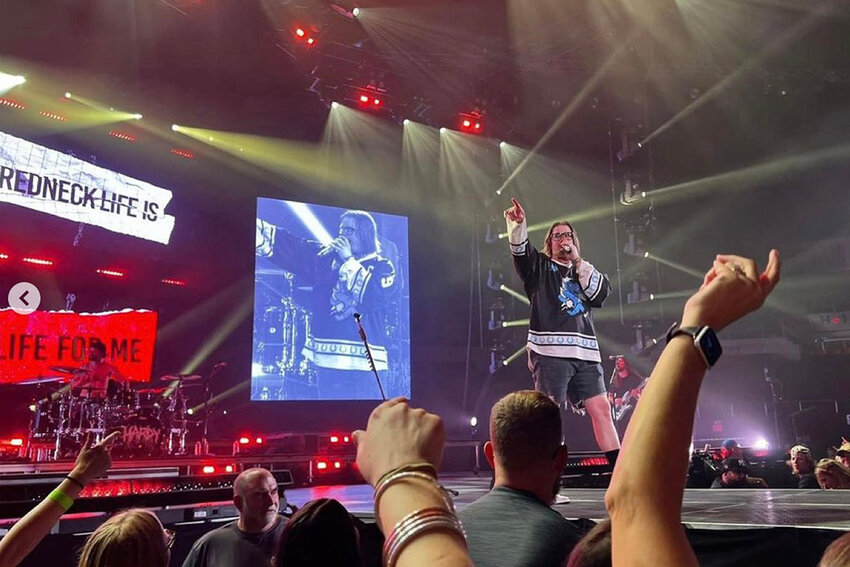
(625,389)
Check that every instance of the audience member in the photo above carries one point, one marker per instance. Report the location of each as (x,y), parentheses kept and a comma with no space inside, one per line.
(594,549)
(646,507)
(251,540)
(837,554)
(399,454)
(513,524)
(832,474)
(92,462)
(320,533)
(842,453)
(803,467)
(731,449)
(133,538)
(733,474)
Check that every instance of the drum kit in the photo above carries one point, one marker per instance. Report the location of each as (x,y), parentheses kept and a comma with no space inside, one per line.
(153,421)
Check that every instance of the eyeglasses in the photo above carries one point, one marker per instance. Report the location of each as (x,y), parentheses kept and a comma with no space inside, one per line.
(562,235)
(347,230)
(170,536)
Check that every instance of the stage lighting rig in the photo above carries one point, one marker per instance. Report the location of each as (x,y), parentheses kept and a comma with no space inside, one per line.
(471,123)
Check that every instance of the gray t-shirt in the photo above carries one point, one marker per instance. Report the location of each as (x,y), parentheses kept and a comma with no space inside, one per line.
(508,527)
(228,546)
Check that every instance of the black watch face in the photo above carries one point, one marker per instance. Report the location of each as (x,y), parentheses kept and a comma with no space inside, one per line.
(710,346)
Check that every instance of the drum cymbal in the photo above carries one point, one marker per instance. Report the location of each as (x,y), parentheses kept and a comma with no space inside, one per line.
(183,377)
(68,370)
(40,380)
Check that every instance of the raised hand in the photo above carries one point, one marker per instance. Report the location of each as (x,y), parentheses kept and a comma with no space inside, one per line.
(398,435)
(732,288)
(515,213)
(94,460)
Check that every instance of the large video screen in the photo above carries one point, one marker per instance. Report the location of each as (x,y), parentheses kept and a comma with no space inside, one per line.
(325,277)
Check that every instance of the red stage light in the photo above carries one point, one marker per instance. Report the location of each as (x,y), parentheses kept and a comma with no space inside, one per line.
(228,468)
(477,125)
(321,465)
(470,123)
(310,41)
(259,440)
(182,153)
(38,261)
(376,101)
(467,123)
(337,465)
(122,136)
(836,320)
(364,98)
(9,103)
(16,442)
(4,256)
(244,440)
(300,33)
(53,116)
(209,469)
(334,439)
(345,439)
(111,273)
(172,281)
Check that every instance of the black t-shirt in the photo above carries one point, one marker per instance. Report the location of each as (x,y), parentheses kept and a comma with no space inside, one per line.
(228,546)
(808,480)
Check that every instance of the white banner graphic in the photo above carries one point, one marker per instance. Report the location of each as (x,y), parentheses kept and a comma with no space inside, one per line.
(58,184)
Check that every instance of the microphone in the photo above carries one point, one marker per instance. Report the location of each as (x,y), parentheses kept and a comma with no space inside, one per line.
(325,250)
(357,317)
(568,249)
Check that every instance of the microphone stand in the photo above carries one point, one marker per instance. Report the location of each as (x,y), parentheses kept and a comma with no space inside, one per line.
(362,332)
(204,443)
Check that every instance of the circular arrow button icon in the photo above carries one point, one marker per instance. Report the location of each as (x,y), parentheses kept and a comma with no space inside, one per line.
(24,298)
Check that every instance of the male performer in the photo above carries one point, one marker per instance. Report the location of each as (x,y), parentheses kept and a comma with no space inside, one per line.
(624,390)
(563,354)
(349,275)
(97,374)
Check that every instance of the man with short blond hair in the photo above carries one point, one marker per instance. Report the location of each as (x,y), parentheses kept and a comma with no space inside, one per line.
(513,524)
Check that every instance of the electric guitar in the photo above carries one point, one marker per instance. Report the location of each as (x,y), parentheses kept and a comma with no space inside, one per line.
(625,402)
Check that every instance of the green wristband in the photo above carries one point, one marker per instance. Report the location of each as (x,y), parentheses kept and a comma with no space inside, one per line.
(61,498)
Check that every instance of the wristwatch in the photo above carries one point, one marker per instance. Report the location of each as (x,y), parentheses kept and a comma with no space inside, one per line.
(705,341)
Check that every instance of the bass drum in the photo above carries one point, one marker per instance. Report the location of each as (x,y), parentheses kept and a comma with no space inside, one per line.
(141,436)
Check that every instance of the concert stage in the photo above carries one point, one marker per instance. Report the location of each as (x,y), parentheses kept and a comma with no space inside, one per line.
(726,527)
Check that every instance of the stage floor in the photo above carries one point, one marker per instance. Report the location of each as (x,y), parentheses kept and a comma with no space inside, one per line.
(703,508)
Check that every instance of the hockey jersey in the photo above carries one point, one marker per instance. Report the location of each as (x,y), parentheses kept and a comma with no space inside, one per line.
(562,297)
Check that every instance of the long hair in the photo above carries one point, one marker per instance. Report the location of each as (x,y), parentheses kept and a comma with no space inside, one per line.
(133,538)
(367,230)
(837,554)
(547,242)
(594,549)
(320,533)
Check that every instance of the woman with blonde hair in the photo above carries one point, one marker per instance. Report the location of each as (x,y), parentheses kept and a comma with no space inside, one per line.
(132,538)
(832,474)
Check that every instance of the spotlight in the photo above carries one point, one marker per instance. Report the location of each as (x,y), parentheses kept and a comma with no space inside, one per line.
(137,117)
(355,11)
(646,254)
(761,444)
(473,421)
(334,104)
(67,95)
(503,144)
(300,33)
(470,123)
(443,130)
(175,128)
(364,98)
(310,41)
(652,297)
(467,123)
(406,122)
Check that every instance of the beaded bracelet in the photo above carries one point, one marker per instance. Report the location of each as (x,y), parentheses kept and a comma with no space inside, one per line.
(415,524)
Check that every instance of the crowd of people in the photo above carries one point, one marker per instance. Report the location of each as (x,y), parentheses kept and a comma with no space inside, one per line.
(400,451)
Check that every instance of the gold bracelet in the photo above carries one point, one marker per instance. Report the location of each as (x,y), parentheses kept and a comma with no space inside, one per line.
(394,478)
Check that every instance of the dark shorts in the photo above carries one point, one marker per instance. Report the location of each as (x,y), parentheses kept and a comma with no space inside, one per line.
(563,378)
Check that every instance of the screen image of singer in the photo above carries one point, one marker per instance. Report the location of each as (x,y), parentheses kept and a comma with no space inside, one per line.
(318,270)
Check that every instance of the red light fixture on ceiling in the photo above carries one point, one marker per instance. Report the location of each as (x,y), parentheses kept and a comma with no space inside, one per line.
(182,153)
(37,261)
(174,282)
(110,273)
(122,136)
(471,123)
(10,103)
(208,469)
(53,116)
(321,465)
